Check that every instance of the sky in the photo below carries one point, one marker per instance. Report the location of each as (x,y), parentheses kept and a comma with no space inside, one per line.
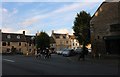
(35,16)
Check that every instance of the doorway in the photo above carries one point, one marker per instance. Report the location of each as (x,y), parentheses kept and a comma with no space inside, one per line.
(112,46)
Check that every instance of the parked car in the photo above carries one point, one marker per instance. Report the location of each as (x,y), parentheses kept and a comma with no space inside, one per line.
(68,52)
(78,50)
(59,52)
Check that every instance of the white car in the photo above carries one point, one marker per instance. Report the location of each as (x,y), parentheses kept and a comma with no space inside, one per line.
(59,52)
(89,50)
(66,52)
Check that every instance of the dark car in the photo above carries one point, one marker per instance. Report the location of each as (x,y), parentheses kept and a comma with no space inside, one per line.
(78,50)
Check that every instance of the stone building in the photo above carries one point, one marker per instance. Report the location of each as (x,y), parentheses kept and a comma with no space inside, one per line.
(105,28)
(61,40)
(21,42)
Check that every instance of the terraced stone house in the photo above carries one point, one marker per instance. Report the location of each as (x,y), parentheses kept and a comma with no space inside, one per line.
(21,42)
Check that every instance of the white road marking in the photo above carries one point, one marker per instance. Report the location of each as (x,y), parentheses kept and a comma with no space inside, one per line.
(8,60)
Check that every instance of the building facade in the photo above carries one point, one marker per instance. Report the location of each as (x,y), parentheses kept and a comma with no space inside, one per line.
(63,41)
(105,28)
(21,42)
(27,44)
(74,44)
(52,43)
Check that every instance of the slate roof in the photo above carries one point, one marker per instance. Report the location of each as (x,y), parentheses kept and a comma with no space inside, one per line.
(30,39)
(14,37)
(57,35)
(52,40)
(72,36)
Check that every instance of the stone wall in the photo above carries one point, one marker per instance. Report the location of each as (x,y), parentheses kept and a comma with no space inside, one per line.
(106,15)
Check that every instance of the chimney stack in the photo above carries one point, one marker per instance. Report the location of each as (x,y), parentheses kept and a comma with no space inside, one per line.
(52,31)
(23,32)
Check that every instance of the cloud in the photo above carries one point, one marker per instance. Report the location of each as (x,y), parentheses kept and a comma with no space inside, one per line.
(59,18)
(64,9)
(8,17)
(56,13)
(7,30)
(68,8)
(4,10)
(11,30)
(52,0)
(0,17)
(10,13)
(14,11)
(45,20)
(63,31)
(28,22)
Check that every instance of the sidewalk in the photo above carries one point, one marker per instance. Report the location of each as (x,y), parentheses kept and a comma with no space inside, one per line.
(111,56)
(112,59)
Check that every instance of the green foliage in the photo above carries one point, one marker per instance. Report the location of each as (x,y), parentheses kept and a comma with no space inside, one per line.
(43,40)
(82,27)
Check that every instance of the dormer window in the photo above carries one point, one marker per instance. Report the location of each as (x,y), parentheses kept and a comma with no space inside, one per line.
(61,36)
(32,38)
(18,37)
(96,14)
(8,36)
(64,37)
(57,37)
(67,36)
(101,9)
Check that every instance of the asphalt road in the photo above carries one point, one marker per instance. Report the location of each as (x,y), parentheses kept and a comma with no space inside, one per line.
(56,65)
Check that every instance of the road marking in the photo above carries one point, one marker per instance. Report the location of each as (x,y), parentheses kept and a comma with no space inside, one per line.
(8,60)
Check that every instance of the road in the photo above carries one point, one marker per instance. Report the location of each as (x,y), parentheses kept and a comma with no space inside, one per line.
(56,65)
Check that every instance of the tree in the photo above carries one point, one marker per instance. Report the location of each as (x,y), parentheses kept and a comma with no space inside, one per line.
(43,40)
(82,28)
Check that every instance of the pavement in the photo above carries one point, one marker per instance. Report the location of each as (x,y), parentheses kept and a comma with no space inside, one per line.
(105,59)
(102,57)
